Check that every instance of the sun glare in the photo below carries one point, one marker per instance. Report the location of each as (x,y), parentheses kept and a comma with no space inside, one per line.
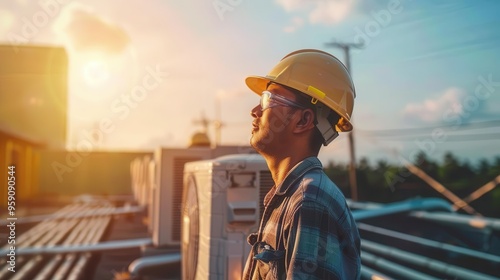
(96,73)
(100,77)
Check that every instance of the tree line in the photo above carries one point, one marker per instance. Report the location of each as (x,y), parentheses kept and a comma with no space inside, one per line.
(384,182)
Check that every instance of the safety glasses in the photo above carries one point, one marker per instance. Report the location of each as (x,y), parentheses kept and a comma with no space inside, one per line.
(269,100)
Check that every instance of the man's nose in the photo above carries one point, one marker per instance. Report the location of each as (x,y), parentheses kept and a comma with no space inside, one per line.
(256,111)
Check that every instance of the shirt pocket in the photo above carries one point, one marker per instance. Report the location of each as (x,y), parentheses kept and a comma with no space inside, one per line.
(270,262)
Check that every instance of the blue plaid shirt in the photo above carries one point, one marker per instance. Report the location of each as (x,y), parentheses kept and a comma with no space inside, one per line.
(306,232)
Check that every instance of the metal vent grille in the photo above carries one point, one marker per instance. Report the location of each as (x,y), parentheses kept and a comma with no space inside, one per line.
(178,182)
(266,183)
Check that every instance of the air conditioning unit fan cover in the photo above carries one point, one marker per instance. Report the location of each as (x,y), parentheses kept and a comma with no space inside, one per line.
(221,206)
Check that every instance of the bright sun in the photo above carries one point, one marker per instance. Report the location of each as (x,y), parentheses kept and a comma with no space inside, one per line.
(96,73)
(99,77)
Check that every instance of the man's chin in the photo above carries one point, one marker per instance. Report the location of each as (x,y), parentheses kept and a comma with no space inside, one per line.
(254,143)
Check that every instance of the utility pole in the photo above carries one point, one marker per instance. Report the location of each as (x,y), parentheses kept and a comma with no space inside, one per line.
(206,122)
(352,166)
(218,124)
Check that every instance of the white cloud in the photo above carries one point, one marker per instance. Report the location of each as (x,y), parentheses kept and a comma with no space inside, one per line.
(320,11)
(431,110)
(331,12)
(297,22)
(292,5)
(87,31)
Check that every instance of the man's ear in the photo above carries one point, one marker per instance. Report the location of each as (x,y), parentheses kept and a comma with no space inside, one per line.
(306,120)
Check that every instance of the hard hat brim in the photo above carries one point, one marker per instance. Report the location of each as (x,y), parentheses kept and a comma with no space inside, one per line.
(258,84)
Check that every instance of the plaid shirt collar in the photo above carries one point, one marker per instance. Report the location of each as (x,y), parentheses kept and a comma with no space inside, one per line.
(296,173)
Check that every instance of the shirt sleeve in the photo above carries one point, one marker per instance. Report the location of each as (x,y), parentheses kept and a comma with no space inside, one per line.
(316,246)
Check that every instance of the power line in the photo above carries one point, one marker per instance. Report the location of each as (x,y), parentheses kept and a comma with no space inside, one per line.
(420,130)
(456,138)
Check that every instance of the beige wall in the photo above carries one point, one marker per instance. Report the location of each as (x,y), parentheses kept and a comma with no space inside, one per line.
(33,94)
(25,157)
(98,173)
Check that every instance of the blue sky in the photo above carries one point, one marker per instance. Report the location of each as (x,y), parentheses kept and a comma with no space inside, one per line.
(425,64)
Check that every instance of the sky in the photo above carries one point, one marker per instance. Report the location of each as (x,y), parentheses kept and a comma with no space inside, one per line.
(143,73)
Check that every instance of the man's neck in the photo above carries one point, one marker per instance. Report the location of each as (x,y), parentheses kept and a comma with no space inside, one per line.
(281,166)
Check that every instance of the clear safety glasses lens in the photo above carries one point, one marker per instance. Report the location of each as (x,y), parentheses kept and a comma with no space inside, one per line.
(265,100)
(268,99)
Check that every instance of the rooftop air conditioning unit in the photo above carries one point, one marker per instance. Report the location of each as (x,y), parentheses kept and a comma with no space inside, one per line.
(139,179)
(164,208)
(153,190)
(222,204)
(165,214)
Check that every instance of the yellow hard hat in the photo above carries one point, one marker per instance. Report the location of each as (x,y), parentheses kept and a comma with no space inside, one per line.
(317,74)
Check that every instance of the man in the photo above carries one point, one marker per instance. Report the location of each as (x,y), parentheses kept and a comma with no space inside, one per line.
(307,231)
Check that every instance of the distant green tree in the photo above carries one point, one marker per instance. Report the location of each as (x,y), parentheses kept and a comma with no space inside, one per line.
(428,166)
(362,171)
(495,168)
(339,174)
(455,175)
(386,182)
(483,168)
